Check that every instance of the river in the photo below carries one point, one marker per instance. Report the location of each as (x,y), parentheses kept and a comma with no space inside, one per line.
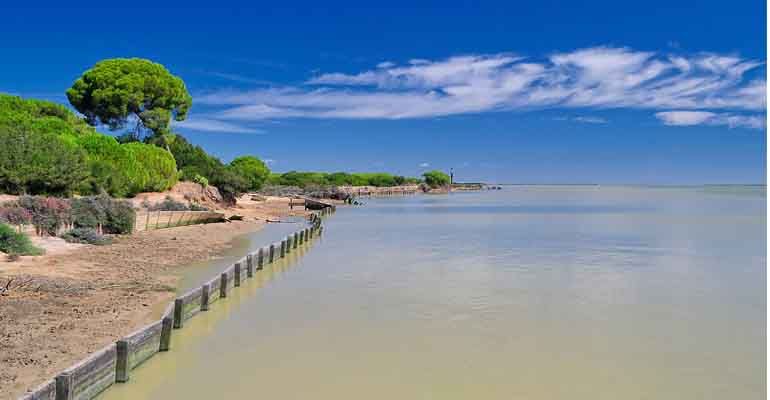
(531,292)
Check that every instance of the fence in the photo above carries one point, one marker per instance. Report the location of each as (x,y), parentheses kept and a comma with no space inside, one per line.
(113,364)
(149,220)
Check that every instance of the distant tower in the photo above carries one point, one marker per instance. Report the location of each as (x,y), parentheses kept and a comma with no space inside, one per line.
(451,176)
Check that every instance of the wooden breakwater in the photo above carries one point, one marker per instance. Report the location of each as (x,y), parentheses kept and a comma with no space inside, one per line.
(114,363)
(149,220)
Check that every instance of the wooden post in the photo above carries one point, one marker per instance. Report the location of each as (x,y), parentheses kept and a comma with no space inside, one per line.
(296,239)
(271,256)
(237,278)
(223,285)
(178,310)
(249,266)
(284,248)
(205,297)
(122,370)
(165,333)
(260,258)
(64,386)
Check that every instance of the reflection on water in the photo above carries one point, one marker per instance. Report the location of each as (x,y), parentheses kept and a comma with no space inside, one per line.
(530,292)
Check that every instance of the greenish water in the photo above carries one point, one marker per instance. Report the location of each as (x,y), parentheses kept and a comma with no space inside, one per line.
(532,292)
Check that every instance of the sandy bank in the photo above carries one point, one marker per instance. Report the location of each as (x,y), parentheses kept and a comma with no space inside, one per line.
(76,299)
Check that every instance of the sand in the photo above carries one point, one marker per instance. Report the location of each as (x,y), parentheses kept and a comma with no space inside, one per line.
(76,299)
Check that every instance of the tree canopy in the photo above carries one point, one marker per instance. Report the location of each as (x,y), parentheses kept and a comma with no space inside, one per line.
(120,90)
(436,178)
(252,169)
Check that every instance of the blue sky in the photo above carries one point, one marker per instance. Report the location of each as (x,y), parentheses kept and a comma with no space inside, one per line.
(660,92)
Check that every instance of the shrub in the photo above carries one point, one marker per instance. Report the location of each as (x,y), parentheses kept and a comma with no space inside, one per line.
(90,212)
(252,169)
(14,243)
(120,217)
(201,180)
(436,179)
(85,235)
(39,162)
(15,216)
(49,214)
(192,160)
(198,207)
(168,204)
(159,164)
(113,168)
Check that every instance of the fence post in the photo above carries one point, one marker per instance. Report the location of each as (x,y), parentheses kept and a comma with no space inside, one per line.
(165,333)
(249,266)
(178,310)
(237,279)
(260,258)
(271,256)
(284,248)
(205,296)
(121,363)
(223,285)
(64,386)
(296,239)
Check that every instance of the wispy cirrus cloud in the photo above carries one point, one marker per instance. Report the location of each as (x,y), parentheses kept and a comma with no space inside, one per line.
(690,118)
(593,78)
(213,125)
(584,119)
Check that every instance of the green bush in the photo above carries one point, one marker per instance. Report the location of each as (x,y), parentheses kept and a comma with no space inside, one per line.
(436,178)
(201,180)
(158,163)
(120,217)
(85,235)
(252,169)
(41,116)
(35,162)
(14,243)
(114,168)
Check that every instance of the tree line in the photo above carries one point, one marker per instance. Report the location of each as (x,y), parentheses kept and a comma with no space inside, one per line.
(56,152)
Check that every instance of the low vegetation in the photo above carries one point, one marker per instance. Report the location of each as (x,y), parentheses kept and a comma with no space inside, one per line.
(49,215)
(87,236)
(435,179)
(16,243)
(169,204)
(306,179)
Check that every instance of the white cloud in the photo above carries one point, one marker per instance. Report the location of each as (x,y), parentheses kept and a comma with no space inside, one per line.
(212,125)
(584,119)
(269,161)
(690,118)
(424,165)
(595,78)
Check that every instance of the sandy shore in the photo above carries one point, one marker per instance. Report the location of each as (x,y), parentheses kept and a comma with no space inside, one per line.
(79,298)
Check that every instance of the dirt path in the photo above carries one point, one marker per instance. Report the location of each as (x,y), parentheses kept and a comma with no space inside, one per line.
(62,306)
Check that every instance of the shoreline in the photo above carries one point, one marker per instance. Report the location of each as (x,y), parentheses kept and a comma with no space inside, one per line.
(101,292)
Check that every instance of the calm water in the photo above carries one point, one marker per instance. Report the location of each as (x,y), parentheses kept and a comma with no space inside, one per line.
(526,293)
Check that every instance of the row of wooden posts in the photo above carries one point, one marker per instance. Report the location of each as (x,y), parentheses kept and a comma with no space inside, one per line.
(86,379)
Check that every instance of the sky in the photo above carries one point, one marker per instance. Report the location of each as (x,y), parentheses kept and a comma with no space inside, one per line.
(657,92)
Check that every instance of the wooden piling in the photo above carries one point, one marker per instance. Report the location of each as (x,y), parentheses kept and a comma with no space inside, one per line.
(223,285)
(122,369)
(249,266)
(165,333)
(237,275)
(205,290)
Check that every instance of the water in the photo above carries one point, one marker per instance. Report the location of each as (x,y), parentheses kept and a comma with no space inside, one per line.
(526,293)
